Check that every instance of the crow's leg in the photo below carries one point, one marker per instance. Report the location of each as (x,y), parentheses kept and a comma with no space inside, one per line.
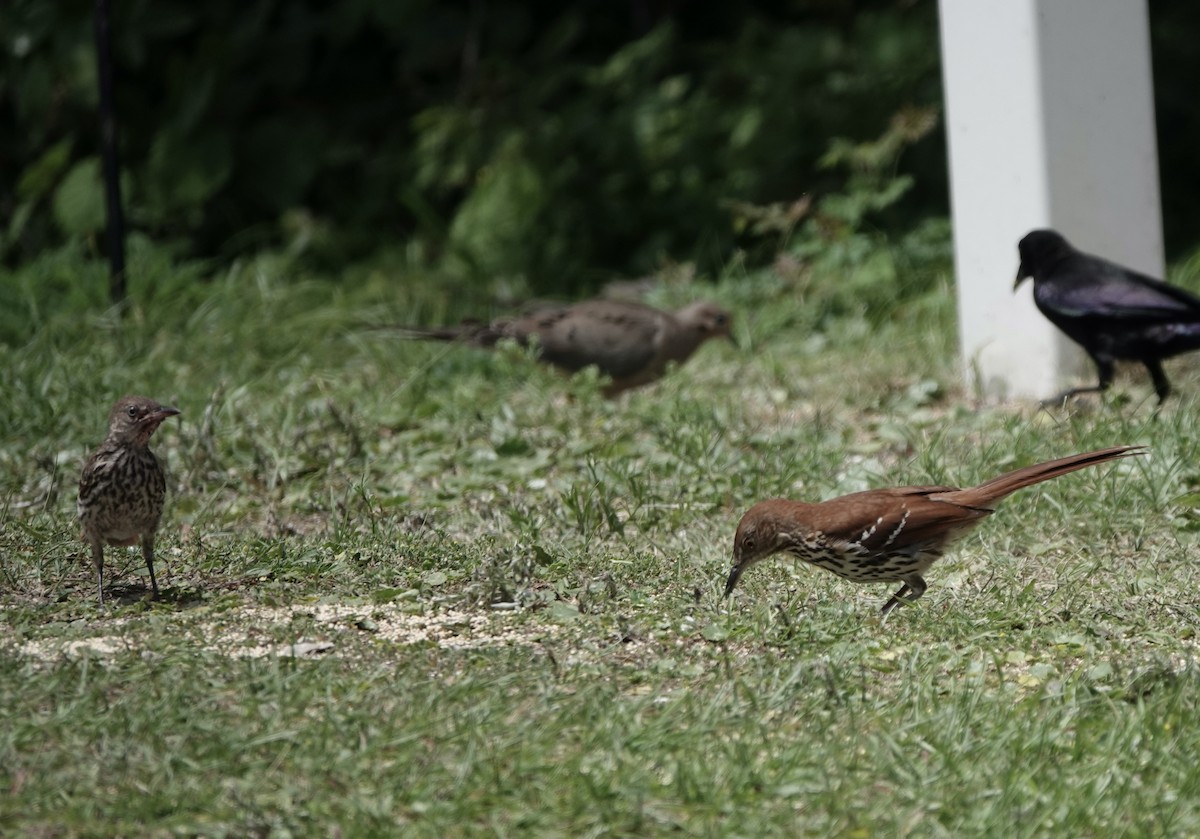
(1161,386)
(1105,368)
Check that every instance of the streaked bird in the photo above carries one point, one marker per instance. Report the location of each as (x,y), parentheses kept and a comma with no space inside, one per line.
(122,489)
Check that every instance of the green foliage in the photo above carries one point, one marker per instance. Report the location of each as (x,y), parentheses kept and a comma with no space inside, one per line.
(79,200)
(837,250)
(537,147)
(546,146)
(1176,67)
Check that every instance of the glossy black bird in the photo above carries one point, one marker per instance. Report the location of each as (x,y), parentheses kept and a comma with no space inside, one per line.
(1113,312)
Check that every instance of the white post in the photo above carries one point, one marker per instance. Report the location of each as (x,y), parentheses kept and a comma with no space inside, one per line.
(1050,122)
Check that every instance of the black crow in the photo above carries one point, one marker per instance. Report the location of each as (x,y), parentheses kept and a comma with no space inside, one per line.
(1113,312)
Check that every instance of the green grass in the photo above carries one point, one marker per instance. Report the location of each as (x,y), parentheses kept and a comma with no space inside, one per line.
(428,590)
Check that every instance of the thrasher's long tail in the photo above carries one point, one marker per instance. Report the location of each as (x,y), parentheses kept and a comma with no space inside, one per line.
(989,492)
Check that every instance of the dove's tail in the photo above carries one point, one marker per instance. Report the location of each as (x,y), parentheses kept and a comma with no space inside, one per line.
(470,332)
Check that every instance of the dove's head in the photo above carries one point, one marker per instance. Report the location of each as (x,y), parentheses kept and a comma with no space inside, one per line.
(706,320)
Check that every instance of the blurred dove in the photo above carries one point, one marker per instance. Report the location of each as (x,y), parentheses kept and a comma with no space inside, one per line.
(629,342)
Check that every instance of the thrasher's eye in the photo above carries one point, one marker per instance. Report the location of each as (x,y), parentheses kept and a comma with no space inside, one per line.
(748,544)
(132,410)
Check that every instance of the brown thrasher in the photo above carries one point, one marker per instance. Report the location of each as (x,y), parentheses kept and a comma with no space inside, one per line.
(122,488)
(887,535)
(630,342)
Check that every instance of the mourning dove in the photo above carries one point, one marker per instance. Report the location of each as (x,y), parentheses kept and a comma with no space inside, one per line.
(630,342)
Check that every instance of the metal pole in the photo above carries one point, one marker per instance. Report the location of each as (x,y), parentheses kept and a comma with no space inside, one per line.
(115,227)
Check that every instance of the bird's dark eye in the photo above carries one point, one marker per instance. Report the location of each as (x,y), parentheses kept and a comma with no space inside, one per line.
(748,544)
(132,410)
(719,320)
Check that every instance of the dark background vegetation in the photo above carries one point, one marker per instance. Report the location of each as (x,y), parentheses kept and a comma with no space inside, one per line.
(549,144)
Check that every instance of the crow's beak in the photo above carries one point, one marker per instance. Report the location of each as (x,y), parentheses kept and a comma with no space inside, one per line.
(1022,275)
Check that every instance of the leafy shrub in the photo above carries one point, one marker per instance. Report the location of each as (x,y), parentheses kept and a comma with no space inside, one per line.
(544,144)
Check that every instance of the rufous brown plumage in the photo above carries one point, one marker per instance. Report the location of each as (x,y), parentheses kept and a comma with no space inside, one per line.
(887,535)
